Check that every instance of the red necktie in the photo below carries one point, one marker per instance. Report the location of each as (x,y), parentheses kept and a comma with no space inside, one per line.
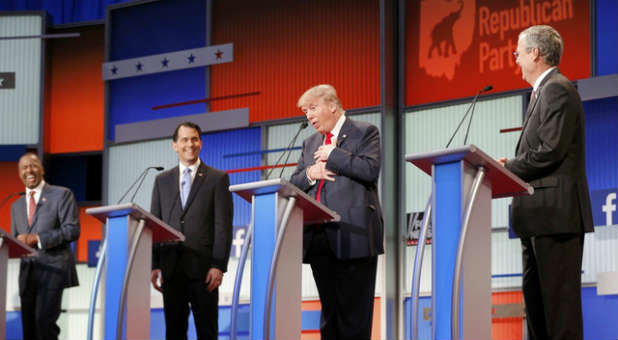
(327,141)
(31,207)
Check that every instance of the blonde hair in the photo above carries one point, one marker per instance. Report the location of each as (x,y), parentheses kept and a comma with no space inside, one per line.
(324,91)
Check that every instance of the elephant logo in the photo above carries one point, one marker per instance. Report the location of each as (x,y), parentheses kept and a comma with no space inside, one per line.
(446,30)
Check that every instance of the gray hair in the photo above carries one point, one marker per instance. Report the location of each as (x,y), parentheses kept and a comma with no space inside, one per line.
(547,40)
(324,91)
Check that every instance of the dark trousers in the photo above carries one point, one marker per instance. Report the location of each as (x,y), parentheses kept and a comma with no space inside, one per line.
(40,308)
(552,286)
(181,293)
(347,291)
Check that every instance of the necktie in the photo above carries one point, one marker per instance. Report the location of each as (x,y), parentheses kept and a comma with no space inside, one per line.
(31,207)
(185,186)
(327,141)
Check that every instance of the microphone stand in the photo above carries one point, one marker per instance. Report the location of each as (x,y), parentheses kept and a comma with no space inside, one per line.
(485,89)
(302,126)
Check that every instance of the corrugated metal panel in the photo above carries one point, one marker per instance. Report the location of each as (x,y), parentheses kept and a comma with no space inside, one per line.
(600,252)
(281,48)
(127,161)
(431,129)
(505,260)
(21,107)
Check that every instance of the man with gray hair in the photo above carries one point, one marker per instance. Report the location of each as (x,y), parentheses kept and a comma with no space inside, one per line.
(551,223)
(339,166)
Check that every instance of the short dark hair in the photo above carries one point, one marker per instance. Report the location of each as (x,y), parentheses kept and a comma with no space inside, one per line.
(189,125)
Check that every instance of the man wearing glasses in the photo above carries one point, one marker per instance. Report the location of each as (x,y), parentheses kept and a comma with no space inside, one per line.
(551,223)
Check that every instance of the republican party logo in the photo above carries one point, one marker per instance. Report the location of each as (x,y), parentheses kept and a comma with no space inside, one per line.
(446,31)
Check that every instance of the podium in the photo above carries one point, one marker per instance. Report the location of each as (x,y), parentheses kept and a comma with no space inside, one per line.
(127,249)
(465,179)
(279,211)
(10,248)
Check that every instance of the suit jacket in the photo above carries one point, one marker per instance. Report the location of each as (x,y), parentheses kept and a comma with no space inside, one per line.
(551,155)
(206,222)
(56,221)
(353,195)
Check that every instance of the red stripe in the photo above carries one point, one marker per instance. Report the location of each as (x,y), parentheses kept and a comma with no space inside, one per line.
(205,100)
(256,168)
(511,129)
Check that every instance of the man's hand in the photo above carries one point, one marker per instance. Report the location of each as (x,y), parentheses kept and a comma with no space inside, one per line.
(501,160)
(157,279)
(323,152)
(214,278)
(318,171)
(29,239)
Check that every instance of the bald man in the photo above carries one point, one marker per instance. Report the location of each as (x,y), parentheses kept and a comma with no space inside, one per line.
(47,219)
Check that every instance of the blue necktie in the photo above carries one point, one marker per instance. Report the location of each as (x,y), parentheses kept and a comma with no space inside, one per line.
(185,186)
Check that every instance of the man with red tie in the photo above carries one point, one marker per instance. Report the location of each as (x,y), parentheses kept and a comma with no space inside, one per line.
(339,166)
(46,219)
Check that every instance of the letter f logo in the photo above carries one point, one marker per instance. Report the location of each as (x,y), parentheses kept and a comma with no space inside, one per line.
(609,208)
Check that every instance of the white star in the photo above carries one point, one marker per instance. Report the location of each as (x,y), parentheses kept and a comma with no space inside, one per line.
(1,81)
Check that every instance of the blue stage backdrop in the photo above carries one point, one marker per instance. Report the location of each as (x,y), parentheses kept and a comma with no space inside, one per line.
(602,156)
(63,11)
(148,29)
(215,146)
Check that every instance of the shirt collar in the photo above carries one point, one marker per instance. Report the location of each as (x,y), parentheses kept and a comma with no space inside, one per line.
(38,189)
(337,128)
(541,77)
(193,167)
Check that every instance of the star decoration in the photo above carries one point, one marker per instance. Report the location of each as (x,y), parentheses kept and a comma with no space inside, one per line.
(139,66)
(114,70)
(191,58)
(218,54)
(164,62)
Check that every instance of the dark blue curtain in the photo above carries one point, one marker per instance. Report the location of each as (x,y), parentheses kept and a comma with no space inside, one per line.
(63,11)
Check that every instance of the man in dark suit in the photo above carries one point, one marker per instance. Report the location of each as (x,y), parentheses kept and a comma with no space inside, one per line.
(339,166)
(551,223)
(194,199)
(46,219)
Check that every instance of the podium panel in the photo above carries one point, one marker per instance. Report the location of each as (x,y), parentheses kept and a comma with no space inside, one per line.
(279,212)
(464,180)
(127,261)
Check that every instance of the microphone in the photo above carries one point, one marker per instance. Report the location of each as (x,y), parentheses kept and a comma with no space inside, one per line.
(141,177)
(287,150)
(11,195)
(471,107)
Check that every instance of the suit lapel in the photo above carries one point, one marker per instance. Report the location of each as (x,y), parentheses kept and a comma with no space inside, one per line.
(176,186)
(530,111)
(200,176)
(344,133)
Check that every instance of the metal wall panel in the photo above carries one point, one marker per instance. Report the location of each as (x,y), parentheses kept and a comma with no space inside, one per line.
(127,161)
(20,108)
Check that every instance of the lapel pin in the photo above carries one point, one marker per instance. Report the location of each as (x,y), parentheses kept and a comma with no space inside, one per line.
(43,199)
(200,174)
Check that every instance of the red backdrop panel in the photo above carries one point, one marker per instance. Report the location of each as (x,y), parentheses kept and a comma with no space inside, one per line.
(456,47)
(10,183)
(281,48)
(90,231)
(75,99)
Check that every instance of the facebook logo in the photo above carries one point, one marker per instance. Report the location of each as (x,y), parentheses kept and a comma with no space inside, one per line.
(240,234)
(604,210)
